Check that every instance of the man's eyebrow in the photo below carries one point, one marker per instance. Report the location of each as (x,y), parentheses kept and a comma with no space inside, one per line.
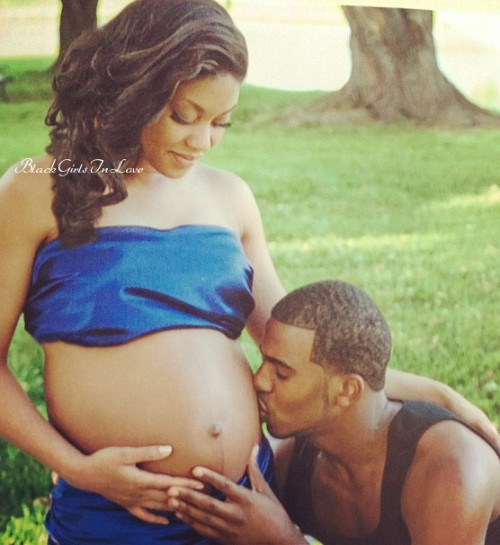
(274,361)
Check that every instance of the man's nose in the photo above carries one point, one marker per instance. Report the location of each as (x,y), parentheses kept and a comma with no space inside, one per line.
(262,380)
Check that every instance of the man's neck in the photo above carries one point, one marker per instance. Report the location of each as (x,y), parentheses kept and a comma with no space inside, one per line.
(349,467)
(358,438)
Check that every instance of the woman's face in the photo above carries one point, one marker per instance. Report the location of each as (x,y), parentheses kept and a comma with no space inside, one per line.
(193,122)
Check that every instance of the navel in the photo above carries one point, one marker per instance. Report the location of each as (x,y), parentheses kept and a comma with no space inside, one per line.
(215,430)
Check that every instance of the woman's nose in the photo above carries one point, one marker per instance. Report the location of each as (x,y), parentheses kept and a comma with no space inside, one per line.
(200,137)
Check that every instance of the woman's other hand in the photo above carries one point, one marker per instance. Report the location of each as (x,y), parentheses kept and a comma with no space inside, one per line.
(113,472)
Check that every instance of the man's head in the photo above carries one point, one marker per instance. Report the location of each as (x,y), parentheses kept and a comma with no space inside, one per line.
(323,344)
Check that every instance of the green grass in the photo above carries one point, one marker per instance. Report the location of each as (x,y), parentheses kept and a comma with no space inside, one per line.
(31,78)
(409,214)
(22,478)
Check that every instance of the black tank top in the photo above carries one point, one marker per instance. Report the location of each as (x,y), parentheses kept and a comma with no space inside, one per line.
(405,430)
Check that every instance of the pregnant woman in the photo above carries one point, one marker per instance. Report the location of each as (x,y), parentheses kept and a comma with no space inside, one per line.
(136,267)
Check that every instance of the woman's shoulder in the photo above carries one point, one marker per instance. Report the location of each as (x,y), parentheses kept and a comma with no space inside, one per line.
(229,185)
(231,198)
(26,194)
(30,175)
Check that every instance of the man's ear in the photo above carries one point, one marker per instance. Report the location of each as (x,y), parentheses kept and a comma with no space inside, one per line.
(352,387)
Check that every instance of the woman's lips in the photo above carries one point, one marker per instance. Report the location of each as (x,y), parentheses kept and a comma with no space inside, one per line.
(184,159)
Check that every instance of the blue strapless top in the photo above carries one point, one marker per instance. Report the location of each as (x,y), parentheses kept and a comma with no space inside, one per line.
(133,281)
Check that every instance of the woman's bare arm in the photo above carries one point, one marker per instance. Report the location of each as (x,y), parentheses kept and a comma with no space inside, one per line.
(267,288)
(402,385)
(26,222)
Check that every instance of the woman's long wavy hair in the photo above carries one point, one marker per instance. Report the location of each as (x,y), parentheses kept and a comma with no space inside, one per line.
(113,82)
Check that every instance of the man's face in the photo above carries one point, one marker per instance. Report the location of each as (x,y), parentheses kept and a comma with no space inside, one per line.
(292,391)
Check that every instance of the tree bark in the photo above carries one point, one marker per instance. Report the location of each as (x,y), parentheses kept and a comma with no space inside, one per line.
(395,75)
(76,17)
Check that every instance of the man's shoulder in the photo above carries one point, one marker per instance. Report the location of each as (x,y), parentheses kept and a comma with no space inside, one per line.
(452,458)
(437,433)
(451,488)
(452,441)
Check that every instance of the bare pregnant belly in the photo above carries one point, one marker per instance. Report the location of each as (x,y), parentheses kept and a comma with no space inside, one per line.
(189,388)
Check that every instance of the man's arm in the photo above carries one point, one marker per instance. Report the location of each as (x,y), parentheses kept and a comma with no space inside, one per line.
(452,490)
(247,517)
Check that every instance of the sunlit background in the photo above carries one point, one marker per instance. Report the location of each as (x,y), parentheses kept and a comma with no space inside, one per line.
(300,44)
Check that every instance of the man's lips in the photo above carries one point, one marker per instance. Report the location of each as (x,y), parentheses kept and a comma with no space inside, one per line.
(262,407)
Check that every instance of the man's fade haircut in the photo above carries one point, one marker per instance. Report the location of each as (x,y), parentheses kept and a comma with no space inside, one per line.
(351,334)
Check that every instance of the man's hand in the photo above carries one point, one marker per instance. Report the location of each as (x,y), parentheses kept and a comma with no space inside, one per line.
(113,472)
(247,517)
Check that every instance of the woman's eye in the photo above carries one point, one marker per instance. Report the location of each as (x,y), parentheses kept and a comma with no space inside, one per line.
(222,124)
(177,117)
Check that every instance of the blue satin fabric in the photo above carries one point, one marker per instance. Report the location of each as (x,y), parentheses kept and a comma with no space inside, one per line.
(137,280)
(77,517)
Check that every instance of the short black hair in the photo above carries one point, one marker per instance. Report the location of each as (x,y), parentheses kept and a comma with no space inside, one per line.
(351,334)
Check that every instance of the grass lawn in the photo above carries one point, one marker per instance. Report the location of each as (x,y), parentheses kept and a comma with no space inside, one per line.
(409,214)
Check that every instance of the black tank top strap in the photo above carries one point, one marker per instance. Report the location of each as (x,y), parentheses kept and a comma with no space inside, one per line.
(405,431)
(298,496)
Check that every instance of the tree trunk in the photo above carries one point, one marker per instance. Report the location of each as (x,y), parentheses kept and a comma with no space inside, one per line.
(395,75)
(76,17)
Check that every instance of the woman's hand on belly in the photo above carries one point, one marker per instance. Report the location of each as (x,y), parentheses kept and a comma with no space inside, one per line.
(112,472)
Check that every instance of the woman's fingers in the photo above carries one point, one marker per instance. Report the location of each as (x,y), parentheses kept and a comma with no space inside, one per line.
(186,482)
(137,455)
(147,516)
